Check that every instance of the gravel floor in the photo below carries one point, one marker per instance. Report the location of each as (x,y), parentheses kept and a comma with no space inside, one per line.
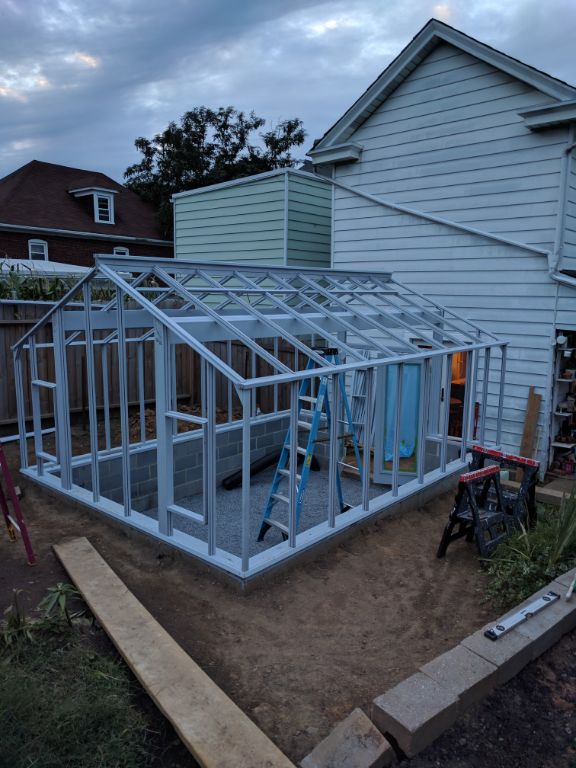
(228,509)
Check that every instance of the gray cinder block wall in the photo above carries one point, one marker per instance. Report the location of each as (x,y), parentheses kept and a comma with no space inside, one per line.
(265,438)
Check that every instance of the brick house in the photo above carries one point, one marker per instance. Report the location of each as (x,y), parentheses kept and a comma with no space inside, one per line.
(67,215)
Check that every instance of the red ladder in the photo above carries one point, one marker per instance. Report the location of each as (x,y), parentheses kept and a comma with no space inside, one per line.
(14,521)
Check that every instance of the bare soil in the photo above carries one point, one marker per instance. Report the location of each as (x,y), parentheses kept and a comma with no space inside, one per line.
(300,651)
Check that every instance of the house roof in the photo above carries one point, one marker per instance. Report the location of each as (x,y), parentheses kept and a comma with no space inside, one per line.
(38,195)
(434,33)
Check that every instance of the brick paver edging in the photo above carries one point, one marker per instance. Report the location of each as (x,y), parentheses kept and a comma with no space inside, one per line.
(418,710)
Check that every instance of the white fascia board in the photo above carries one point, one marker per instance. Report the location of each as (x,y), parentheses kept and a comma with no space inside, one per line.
(249,180)
(435,33)
(77,233)
(333,155)
(81,191)
(551,115)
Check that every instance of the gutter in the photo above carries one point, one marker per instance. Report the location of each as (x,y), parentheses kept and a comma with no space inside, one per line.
(561,218)
(78,233)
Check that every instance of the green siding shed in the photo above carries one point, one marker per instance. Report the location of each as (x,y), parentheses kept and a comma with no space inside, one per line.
(279,218)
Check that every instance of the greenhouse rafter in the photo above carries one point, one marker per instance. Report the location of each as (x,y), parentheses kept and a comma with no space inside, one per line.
(198,370)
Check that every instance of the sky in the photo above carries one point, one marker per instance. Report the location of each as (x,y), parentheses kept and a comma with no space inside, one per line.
(80,81)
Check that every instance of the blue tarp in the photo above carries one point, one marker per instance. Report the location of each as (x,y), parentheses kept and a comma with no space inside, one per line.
(408,410)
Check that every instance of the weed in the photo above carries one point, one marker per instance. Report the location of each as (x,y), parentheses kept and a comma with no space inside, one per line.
(62,705)
(18,627)
(55,604)
(532,557)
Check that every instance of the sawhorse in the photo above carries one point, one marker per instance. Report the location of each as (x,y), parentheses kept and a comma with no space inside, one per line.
(479,512)
(520,503)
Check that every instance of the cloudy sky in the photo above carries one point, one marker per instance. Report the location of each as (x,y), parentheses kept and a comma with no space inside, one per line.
(79,80)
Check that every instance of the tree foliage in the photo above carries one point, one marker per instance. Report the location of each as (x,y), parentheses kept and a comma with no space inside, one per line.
(207,147)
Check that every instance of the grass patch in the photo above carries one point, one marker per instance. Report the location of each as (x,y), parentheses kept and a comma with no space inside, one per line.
(531,558)
(63,704)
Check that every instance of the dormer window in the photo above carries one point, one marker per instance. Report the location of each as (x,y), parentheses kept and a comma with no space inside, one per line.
(104,209)
(103,201)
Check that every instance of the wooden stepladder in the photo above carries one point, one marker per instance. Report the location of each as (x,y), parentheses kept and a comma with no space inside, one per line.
(13,519)
(321,406)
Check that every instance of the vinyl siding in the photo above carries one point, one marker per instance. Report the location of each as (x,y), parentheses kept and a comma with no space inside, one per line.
(566,318)
(244,223)
(450,141)
(569,250)
(309,222)
(503,288)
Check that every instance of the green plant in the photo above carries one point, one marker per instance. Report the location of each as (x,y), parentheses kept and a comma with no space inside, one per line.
(62,703)
(18,627)
(532,557)
(55,604)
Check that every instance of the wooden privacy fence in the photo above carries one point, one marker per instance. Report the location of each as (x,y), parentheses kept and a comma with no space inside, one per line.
(16,318)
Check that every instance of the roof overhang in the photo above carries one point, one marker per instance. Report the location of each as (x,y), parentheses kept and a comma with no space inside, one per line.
(82,191)
(550,116)
(334,155)
(433,34)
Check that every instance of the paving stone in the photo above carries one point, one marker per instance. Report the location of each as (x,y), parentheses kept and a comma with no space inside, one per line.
(354,743)
(510,653)
(415,712)
(547,627)
(566,579)
(463,673)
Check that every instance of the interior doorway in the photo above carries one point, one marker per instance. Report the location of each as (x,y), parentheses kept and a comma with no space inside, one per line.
(457,392)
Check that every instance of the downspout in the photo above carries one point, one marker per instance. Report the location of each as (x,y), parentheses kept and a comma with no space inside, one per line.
(564,181)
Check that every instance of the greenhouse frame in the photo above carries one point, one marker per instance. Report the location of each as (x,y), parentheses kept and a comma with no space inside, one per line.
(256,343)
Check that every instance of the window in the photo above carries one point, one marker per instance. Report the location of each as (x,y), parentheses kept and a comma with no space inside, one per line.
(121,251)
(103,208)
(38,250)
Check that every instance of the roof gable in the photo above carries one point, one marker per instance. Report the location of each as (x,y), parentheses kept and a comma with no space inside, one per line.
(39,195)
(434,33)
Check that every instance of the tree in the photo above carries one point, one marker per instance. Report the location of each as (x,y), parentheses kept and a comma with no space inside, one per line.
(208,147)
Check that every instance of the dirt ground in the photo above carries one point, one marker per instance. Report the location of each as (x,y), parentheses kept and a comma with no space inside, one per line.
(301,651)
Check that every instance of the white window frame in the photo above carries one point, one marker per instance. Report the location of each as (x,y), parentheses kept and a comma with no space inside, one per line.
(44,244)
(110,200)
(121,250)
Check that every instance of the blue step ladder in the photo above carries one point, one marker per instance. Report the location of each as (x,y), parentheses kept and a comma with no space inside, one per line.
(321,406)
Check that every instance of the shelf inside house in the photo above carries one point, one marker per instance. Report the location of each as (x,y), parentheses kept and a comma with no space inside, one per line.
(563,435)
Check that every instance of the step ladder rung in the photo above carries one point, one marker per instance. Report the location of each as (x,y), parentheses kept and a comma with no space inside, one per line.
(286,473)
(281,497)
(280,526)
(308,399)
(305,425)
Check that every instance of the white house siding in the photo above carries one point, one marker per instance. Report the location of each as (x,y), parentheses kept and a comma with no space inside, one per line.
(569,250)
(309,221)
(242,223)
(449,140)
(566,317)
(504,288)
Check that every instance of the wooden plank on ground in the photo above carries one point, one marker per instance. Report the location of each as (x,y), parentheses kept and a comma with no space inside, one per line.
(212,727)
(544,494)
